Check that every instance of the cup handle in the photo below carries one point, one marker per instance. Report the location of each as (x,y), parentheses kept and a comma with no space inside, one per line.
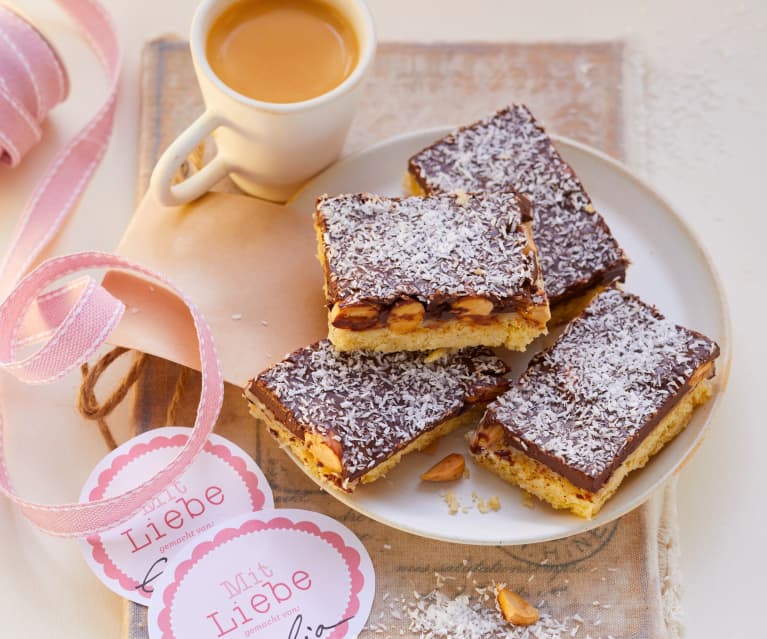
(161,182)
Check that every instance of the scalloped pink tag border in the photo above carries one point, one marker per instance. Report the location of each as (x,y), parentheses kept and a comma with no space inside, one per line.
(223,481)
(283,573)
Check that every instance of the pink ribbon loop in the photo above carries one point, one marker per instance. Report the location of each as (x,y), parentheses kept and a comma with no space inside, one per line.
(94,517)
(71,321)
(84,326)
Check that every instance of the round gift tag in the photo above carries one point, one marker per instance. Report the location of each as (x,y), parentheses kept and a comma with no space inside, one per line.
(280,573)
(223,481)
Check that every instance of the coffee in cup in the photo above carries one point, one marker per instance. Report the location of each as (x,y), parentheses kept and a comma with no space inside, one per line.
(282,50)
(281,81)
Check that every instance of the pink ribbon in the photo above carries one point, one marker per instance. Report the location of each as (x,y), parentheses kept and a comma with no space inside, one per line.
(36,70)
(29,89)
(72,321)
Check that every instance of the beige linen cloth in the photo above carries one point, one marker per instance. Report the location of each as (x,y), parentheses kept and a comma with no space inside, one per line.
(620,580)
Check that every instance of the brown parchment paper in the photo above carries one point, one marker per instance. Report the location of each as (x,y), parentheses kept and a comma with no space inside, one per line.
(249,265)
(620,579)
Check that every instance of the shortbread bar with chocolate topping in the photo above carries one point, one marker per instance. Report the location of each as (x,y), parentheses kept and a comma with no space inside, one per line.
(417,273)
(350,417)
(618,384)
(510,150)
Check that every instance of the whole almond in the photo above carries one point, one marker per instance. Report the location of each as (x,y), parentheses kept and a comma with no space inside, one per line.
(448,469)
(406,316)
(358,317)
(472,306)
(322,450)
(515,609)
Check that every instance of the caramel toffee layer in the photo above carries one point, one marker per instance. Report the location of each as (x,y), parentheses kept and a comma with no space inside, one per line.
(445,257)
(367,406)
(587,403)
(510,150)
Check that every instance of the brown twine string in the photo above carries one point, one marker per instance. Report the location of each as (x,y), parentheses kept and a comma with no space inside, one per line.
(178,393)
(88,404)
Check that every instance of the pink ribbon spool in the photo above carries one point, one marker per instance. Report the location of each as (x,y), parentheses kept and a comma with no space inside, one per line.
(71,321)
(34,81)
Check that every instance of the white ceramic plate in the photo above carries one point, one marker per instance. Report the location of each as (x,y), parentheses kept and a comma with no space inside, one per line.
(669,268)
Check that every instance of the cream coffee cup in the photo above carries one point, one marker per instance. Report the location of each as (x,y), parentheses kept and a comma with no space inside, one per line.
(269,147)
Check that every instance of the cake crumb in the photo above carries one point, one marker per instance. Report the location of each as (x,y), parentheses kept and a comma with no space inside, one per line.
(236,316)
(453,505)
(528,501)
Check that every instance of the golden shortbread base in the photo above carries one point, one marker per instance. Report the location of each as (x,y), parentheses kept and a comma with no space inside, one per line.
(288,440)
(563,312)
(504,329)
(539,480)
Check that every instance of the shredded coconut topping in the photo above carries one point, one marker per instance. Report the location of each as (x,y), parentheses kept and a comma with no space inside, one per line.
(380,249)
(586,399)
(511,150)
(438,616)
(374,404)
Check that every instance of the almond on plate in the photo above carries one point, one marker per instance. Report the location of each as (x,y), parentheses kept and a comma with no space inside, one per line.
(448,469)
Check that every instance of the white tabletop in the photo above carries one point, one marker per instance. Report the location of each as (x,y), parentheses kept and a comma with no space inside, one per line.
(695,124)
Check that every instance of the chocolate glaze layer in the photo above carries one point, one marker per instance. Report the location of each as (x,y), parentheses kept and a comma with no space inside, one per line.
(583,406)
(510,150)
(371,405)
(379,251)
